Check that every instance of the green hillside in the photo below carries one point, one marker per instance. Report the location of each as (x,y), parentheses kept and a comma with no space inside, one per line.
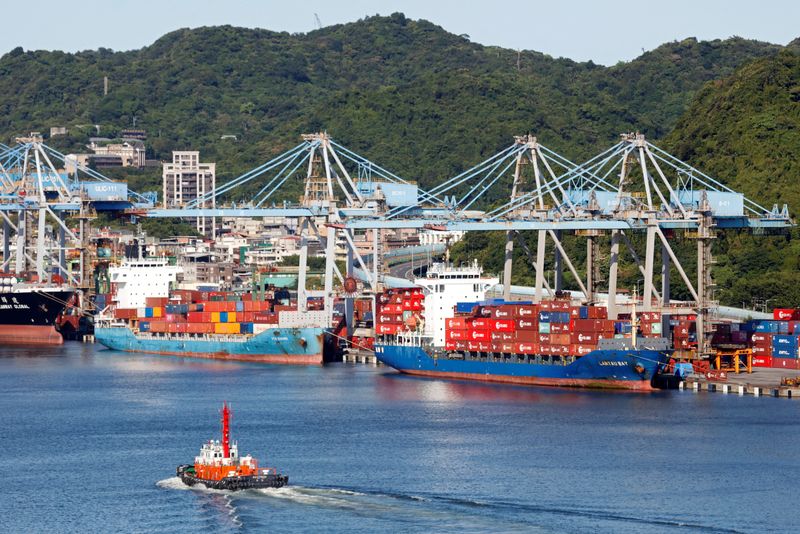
(407,94)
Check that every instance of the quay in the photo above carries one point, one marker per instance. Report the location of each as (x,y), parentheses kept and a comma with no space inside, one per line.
(762,382)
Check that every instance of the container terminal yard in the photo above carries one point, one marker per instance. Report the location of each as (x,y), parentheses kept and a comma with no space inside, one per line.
(379,286)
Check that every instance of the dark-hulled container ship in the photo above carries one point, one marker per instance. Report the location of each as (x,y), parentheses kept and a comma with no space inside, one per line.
(28,312)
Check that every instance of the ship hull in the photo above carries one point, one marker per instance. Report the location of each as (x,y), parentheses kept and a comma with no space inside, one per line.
(600,369)
(233,483)
(291,346)
(29,317)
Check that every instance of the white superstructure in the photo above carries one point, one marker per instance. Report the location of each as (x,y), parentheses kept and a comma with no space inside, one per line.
(445,286)
(137,279)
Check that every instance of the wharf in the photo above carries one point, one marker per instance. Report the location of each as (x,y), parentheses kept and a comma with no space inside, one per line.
(761,382)
(360,356)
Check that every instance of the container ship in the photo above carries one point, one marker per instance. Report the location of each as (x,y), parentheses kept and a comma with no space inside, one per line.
(29,311)
(444,327)
(259,326)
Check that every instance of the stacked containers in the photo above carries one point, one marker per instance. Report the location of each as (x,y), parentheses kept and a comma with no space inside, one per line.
(398,310)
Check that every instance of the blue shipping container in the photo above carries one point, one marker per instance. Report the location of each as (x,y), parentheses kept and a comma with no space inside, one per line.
(545,317)
(239,306)
(148,312)
(465,307)
(246,328)
(144,326)
(223,317)
(583,312)
(622,327)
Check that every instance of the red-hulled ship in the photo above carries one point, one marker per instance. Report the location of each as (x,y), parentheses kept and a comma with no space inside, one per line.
(219,466)
(28,311)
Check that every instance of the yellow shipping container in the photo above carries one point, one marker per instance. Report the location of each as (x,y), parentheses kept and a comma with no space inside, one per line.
(214,317)
(226,328)
(232,317)
(158,312)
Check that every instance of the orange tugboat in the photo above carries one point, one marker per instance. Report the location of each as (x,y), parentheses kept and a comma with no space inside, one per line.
(219,466)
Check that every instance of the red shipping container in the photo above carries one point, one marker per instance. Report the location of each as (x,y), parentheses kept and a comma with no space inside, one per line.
(502,325)
(450,345)
(681,330)
(682,343)
(560,305)
(473,346)
(785,314)
(461,345)
(544,339)
(785,363)
(526,324)
(265,318)
(650,317)
(528,336)
(575,312)
(598,312)
(762,361)
(526,348)
(585,338)
(546,305)
(502,336)
(559,339)
(478,335)
(456,323)
(526,311)
(388,328)
(560,350)
(507,348)
(156,302)
(390,318)
(503,312)
(478,323)
(392,308)
(765,350)
(761,337)
(559,328)
(453,335)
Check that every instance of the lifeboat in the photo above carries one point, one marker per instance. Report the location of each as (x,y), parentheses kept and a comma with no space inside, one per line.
(219,465)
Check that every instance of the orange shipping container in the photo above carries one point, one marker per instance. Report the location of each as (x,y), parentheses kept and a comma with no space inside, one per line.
(156,302)
(226,328)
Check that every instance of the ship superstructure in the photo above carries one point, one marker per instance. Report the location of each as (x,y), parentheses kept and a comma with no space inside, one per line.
(445,285)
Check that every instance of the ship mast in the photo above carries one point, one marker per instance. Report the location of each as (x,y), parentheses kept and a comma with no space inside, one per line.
(226,431)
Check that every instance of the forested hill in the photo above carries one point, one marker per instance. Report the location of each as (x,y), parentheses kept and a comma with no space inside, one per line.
(746,128)
(407,94)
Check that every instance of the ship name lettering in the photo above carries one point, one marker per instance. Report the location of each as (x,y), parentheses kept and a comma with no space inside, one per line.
(613,363)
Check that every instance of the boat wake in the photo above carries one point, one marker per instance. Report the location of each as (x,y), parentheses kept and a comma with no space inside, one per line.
(367,502)
(173,483)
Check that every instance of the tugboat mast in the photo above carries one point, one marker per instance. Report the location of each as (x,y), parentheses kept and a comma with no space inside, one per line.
(226,431)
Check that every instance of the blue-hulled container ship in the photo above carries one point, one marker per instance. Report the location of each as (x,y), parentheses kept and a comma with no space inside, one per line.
(444,327)
(147,315)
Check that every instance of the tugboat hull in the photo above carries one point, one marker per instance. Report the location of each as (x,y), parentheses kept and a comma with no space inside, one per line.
(186,474)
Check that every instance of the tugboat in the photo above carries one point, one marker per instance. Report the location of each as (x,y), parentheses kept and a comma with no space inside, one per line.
(219,466)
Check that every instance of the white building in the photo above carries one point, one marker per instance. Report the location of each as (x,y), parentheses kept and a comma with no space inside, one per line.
(185,180)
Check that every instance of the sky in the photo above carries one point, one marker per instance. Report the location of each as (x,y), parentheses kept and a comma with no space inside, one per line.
(603,31)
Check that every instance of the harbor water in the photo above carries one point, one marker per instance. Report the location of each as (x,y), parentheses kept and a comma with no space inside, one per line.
(91,438)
